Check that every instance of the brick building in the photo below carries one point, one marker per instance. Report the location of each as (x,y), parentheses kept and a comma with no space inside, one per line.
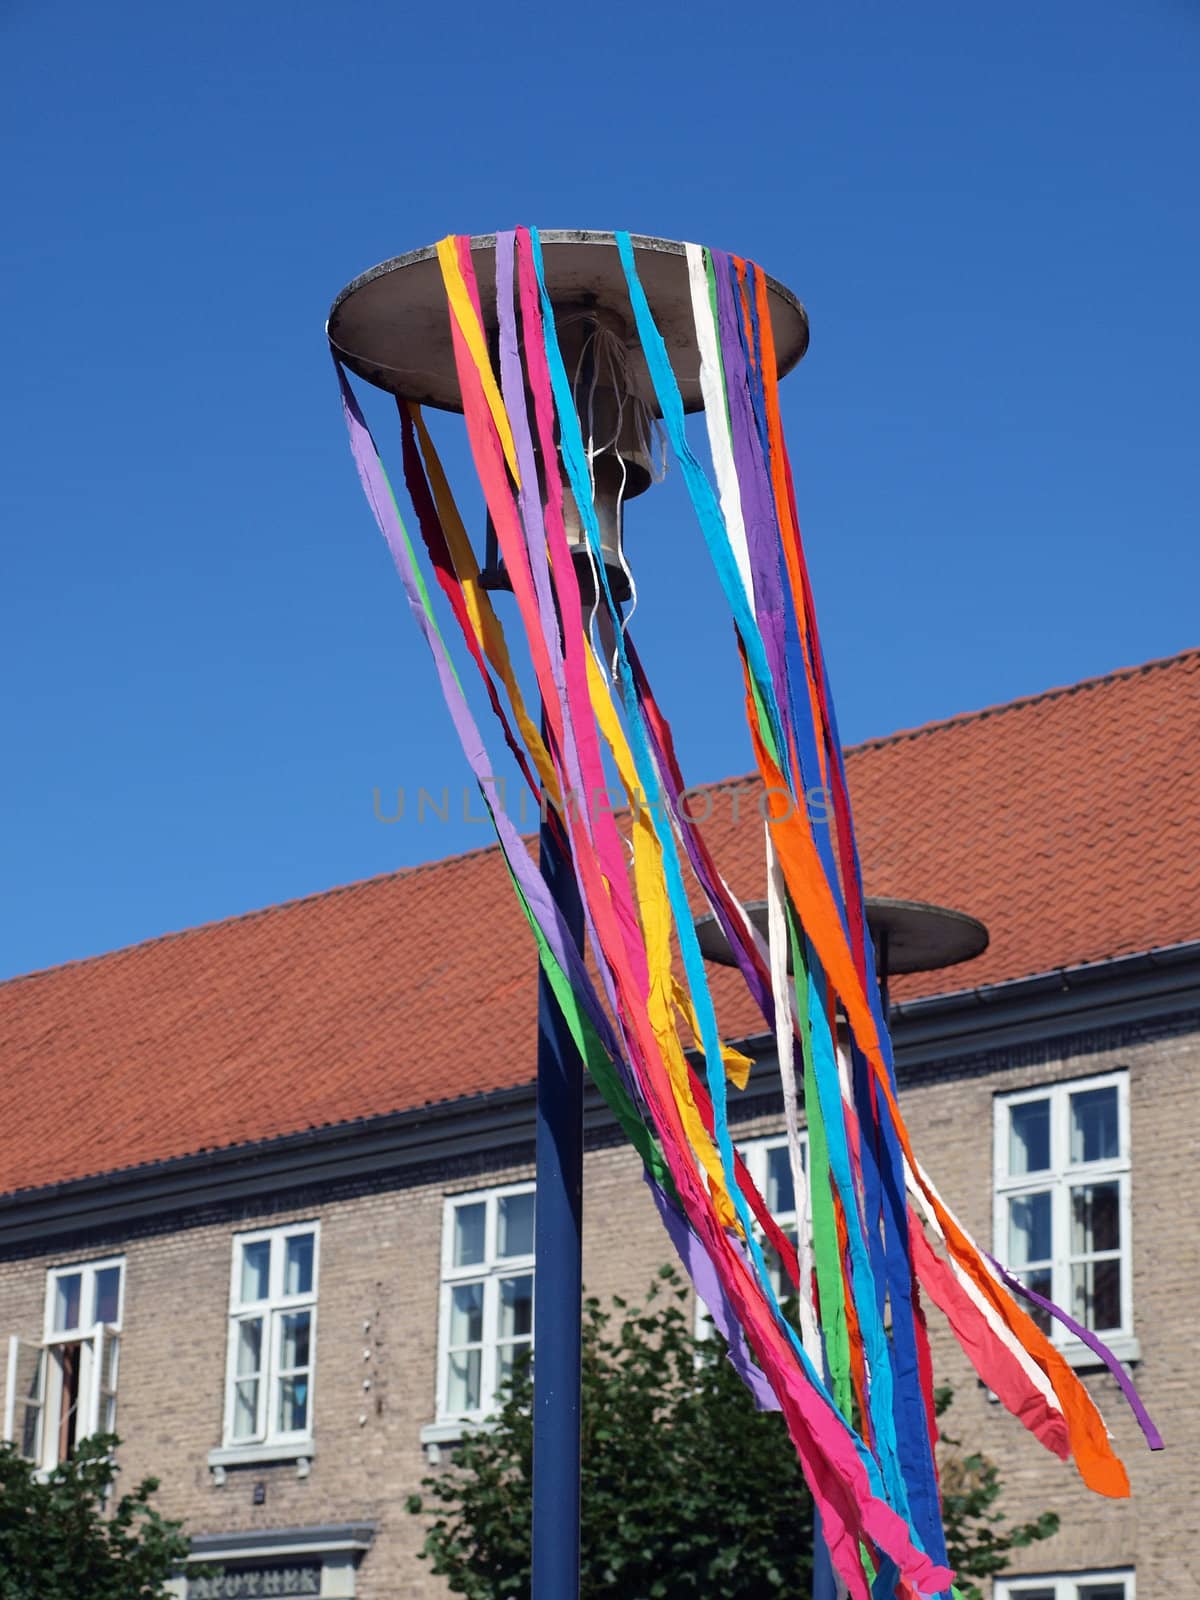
(265,1185)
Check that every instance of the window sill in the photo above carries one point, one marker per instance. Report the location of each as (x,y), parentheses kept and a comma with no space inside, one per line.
(252,1455)
(451,1431)
(1124,1346)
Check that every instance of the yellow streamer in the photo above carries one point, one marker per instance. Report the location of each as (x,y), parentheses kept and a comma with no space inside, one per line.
(737,1066)
(654,909)
(463,312)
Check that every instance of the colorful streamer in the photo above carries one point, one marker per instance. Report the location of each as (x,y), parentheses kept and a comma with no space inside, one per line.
(851,1373)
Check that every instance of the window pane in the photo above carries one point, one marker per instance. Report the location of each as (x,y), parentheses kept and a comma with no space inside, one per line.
(516,1225)
(67,1292)
(256,1271)
(293,1404)
(1039,1281)
(1102,1591)
(469,1222)
(31,1433)
(1028,1137)
(1095,1218)
(462,1391)
(1096,1294)
(107,1295)
(1038,1592)
(249,1346)
(30,1381)
(294,1340)
(781,1193)
(506,1357)
(245,1408)
(1029,1228)
(466,1313)
(298,1264)
(516,1306)
(1094,1133)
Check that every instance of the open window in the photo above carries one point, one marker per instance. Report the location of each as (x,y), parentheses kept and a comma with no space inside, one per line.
(25,1396)
(63,1389)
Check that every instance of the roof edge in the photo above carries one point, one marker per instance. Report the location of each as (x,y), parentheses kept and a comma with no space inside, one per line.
(1117,675)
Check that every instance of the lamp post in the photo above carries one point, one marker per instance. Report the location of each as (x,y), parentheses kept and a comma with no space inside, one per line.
(390,326)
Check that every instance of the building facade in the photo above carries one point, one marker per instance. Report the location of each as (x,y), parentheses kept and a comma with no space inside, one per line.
(267,1195)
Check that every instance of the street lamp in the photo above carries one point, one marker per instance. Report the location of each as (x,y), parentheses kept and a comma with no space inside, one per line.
(646,323)
(908,936)
(390,326)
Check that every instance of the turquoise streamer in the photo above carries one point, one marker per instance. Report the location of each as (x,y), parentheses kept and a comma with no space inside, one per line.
(707,506)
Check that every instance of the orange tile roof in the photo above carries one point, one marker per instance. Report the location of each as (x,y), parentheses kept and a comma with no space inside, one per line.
(1066,821)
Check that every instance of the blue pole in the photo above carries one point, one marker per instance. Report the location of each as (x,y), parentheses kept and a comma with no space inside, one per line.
(558,1281)
(824,1583)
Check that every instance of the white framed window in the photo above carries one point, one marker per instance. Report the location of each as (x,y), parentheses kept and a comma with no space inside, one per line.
(64,1389)
(272,1336)
(1062,1203)
(486,1312)
(1073,1586)
(769,1165)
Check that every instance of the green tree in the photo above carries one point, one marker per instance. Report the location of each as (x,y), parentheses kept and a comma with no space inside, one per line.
(61,1540)
(688,1491)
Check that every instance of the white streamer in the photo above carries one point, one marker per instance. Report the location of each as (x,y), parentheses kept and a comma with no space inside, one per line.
(716,417)
(785,1045)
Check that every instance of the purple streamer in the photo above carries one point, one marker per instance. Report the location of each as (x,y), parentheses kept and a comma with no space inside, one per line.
(758,498)
(1153,1438)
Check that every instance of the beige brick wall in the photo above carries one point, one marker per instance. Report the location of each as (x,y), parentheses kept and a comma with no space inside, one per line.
(377,1321)
(951,1119)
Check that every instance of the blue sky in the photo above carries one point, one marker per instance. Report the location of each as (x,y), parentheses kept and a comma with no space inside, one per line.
(989,211)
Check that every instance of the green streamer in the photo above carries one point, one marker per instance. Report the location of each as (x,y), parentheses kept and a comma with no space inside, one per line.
(826,1257)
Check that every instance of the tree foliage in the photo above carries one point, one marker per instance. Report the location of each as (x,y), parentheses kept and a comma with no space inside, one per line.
(688,1491)
(60,1539)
